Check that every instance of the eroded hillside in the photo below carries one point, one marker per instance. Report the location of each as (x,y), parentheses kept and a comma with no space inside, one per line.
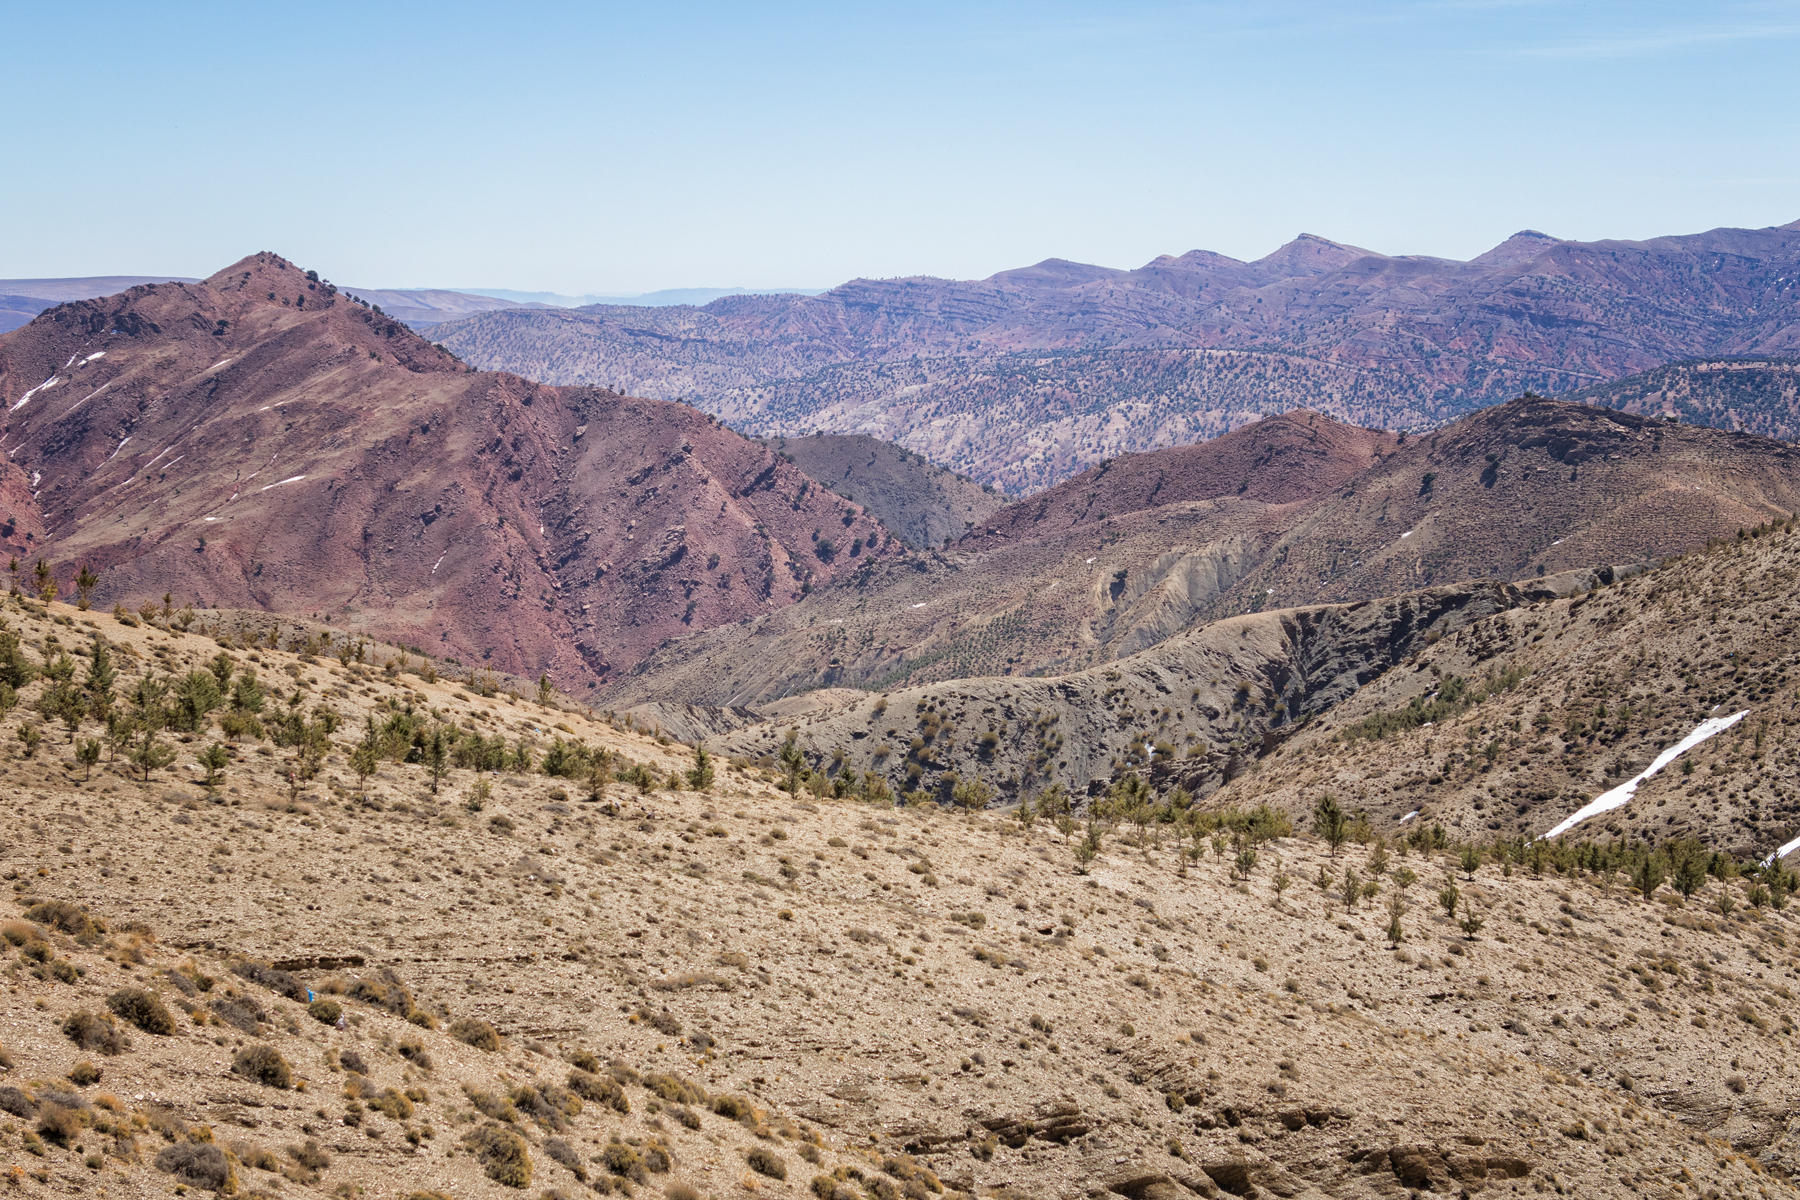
(1290,512)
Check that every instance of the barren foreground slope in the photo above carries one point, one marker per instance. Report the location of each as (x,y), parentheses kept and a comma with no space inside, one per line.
(802,996)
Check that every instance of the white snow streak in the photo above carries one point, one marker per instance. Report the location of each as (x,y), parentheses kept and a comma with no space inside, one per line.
(920,604)
(291,479)
(118,448)
(72,359)
(95,356)
(1782,853)
(48,383)
(439,562)
(1409,816)
(1620,796)
(1407,534)
(1786,850)
(87,397)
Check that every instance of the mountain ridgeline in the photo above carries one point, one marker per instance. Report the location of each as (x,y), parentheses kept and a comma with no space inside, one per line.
(1026,377)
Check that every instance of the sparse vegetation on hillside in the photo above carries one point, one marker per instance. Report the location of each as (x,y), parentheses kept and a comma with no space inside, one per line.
(708,987)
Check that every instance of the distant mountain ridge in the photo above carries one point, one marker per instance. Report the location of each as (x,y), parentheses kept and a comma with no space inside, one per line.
(1023,378)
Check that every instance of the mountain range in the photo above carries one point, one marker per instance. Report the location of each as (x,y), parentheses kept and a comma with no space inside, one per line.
(1028,376)
(1375,807)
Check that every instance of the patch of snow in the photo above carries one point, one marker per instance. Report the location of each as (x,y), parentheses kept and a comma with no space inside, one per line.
(209,520)
(37,477)
(118,448)
(920,604)
(48,383)
(1557,542)
(290,479)
(95,356)
(1409,816)
(72,359)
(1620,796)
(1090,560)
(1407,534)
(435,565)
(1786,850)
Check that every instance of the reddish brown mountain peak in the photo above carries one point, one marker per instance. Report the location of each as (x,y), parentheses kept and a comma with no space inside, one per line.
(257,440)
(261,265)
(1310,254)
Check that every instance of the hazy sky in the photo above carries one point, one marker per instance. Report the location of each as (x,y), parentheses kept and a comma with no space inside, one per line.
(594,147)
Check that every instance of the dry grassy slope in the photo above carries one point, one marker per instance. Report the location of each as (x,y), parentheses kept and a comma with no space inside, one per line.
(921,502)
(1521,488)
(873,980)
(1611,679)
(1210,696)
(257,440)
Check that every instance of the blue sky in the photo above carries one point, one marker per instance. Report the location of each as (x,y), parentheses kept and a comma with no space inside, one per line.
(616,148)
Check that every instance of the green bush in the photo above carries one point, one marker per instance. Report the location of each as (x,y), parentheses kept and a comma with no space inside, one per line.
(143,1009)
(263,1064)
(765,1161)
(475,1032)
(94,1031)
(502,1153)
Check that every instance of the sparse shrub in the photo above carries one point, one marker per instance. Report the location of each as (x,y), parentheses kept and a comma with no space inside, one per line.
(560,1151)
(675,1089)
(547,1104)
(17,1103)
(93,1031)
(61,1123)
(475,1032)
(737,1108)
(143,1009)
(765,1161)
(262,1063)
(623,1160)
(198,1164)
(600,1089)
(413,1051)
(65,917)
(282,983)
(309,1160)
(324,1011)
(84,1074)
(502,1153)
(392,1105)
